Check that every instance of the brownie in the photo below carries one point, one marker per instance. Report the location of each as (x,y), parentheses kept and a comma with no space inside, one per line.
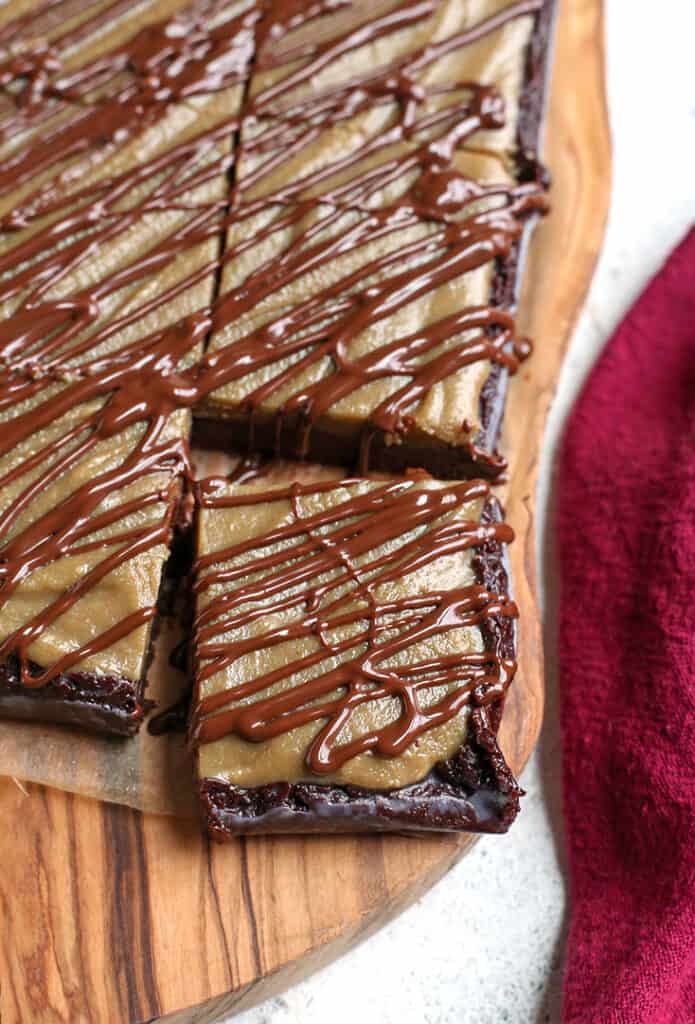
(354,642)
(376,200)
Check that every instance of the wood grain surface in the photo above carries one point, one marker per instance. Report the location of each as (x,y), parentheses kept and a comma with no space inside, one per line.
(107,915)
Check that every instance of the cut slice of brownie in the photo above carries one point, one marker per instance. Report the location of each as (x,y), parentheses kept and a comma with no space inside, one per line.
(354,640)
(385,176)
(88,494)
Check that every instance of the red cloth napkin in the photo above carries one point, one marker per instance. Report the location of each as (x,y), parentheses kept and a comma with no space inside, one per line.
(626,540)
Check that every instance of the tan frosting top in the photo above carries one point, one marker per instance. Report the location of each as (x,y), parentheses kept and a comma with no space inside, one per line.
(342,151)
(254,536)
(131,586)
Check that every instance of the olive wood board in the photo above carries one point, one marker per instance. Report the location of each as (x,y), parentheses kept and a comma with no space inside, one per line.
(109,915)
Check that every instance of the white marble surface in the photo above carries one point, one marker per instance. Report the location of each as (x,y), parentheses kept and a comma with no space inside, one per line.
(484,946)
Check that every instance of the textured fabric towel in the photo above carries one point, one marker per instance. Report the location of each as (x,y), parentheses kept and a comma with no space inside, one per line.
(626,540)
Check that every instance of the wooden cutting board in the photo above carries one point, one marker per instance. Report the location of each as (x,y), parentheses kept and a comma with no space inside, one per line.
(111,917)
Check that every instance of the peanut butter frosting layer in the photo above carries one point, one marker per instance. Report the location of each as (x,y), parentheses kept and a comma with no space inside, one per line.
(375,195)
(86,522)
(343,630)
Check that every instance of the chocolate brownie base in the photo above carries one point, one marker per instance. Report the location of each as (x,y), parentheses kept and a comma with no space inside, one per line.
(473,791)
(99,703)
(279,438)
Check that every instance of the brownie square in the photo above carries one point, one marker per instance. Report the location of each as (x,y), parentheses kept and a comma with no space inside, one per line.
(354,640)
(382,196)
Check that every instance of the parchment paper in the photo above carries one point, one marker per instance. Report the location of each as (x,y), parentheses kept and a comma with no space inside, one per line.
(150,773)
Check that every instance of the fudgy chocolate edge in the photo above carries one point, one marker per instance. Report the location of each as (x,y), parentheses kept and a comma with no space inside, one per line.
(214,428)
(473,791)
(508,279)
(106,704)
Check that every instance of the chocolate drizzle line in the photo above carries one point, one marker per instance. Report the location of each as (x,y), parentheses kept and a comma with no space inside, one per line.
(327,568)
(61,353)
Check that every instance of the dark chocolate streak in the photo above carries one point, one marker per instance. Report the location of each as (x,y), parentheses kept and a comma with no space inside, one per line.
(64,353)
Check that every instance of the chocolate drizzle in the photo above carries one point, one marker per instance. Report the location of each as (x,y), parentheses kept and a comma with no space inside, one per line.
(63,352)
(329,569)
